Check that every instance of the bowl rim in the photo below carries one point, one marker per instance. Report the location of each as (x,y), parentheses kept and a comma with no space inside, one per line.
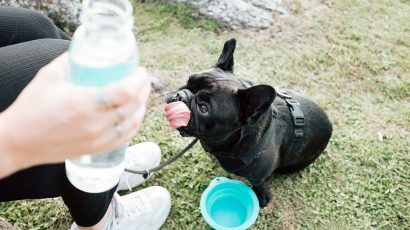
(223,180)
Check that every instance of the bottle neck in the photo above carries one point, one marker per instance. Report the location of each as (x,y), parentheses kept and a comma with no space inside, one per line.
(105,37)
(107,17)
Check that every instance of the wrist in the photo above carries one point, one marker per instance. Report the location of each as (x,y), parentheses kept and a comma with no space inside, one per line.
(10,155)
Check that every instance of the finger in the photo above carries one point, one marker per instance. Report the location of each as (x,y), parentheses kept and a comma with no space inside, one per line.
(122,113)
(137,88)
(132,125)
(99,122)
(136,121)
(115,136)
(144,95)
(129,88)
(133,130)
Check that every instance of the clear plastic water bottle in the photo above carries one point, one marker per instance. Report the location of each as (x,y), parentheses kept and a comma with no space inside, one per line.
(103,50)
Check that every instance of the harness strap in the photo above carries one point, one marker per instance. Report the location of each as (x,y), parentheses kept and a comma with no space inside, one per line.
(297,115)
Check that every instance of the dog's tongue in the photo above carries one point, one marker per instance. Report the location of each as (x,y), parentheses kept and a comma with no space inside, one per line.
(178,114)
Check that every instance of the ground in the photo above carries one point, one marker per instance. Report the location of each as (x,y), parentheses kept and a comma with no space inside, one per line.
(352,57)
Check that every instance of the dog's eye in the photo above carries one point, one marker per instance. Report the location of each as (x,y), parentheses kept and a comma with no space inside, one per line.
(203,109)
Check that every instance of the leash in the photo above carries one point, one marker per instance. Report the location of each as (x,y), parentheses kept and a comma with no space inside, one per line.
(147,172)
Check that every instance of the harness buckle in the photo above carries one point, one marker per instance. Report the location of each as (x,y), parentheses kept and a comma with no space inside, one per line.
(297,117)
(283,94)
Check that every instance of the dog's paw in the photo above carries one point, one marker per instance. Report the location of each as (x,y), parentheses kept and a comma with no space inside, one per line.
(264,196)
(264,199)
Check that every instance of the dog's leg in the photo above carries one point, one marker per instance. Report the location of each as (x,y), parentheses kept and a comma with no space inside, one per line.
(262,192)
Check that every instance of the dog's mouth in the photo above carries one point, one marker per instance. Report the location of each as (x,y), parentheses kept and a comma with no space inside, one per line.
(192,128)
(189,130)
(179,112)
(184,132)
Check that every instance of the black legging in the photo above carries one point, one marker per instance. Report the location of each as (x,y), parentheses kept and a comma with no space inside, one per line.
(28,41)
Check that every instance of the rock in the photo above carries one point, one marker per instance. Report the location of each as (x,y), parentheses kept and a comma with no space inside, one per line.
(239,14)
(159,84)
(5,225)
(235,14)
(64,13)
(273,6)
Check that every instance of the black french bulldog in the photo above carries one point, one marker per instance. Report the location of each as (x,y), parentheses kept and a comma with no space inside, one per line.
(250,130)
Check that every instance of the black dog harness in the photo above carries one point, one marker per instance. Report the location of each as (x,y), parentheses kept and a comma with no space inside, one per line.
(298,121)
(296,113)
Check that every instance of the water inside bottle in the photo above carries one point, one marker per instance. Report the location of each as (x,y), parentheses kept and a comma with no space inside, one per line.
(99,76)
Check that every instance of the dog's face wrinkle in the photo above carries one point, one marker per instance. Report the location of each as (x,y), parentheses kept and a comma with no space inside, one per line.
(217,90)
(214,78)
(218,95)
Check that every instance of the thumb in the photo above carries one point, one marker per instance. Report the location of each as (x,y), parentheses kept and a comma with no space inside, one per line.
(55,71)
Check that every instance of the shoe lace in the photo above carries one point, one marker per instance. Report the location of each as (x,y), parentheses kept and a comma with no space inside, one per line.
(130,208)
(128,184)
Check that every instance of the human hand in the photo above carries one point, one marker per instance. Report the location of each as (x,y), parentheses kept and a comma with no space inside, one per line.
(53,120)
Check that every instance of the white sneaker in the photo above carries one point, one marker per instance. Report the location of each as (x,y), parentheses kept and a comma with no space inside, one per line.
(146,209)
(143,156)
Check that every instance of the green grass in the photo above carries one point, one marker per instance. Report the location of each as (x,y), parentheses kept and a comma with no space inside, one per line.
(352,57)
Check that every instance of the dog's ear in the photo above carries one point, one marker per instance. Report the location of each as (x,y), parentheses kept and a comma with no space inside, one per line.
(225,61)
(254,102)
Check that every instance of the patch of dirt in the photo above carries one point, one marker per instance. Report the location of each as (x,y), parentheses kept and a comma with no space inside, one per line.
(287,213)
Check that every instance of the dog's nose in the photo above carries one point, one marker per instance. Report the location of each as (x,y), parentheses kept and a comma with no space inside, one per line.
(182,95)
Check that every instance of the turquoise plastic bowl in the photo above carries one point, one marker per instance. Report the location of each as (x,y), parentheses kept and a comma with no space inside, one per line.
(229,205)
